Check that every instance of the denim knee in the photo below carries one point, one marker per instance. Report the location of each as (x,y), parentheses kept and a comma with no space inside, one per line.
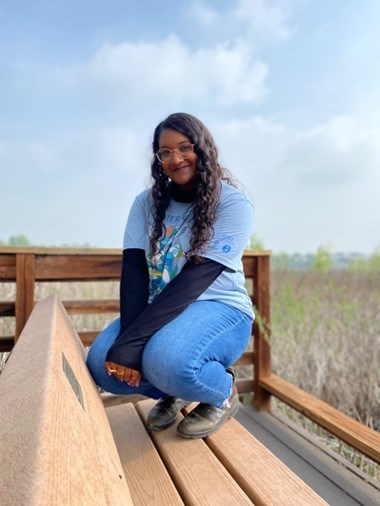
(165,370)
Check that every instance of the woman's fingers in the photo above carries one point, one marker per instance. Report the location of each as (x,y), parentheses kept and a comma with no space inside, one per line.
(135,378)
(122,373)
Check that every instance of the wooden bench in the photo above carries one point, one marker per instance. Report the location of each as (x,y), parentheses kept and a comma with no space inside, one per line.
(59,445)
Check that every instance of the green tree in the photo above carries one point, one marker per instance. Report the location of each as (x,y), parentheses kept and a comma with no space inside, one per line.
(256,243)
(323,260)
(18,240)
(281,261)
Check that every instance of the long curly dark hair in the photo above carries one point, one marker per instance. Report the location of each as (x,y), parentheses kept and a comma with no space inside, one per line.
(209,172)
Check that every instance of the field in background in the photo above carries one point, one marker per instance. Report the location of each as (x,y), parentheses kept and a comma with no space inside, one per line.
(326,340)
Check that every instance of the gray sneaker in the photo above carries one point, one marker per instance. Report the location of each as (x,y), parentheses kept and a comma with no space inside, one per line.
(165,413)
(206,419)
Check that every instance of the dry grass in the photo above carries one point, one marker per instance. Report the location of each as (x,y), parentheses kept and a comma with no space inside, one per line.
(326,338)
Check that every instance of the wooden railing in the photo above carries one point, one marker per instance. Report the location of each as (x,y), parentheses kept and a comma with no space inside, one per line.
(27,266)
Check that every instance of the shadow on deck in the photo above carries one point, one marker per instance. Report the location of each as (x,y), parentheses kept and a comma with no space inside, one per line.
(322,469)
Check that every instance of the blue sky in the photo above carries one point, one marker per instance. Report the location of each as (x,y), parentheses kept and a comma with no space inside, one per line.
(290,90)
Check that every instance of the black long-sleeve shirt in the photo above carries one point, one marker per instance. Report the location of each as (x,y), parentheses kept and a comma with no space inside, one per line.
(140,320)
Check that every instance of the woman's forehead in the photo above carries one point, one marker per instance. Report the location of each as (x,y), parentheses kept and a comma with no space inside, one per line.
(170,138)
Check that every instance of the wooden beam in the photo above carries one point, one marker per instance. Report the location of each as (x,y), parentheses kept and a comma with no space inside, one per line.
(32,250)
(246,359)
(78,268)
(343,426)
(6,343)
(7,308)
(88,336)
(244,385)
(25,281)
(261,331)
(7,267)
(90,306)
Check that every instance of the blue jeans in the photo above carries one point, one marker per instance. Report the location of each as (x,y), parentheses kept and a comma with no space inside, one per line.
(187,358)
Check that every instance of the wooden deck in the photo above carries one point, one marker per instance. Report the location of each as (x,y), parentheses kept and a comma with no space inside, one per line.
(337,483)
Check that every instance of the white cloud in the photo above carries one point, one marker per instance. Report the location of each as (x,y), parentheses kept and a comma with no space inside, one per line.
(268,20)
(171,70)
(204,14)
(310,187)
(262,22)
(335,153)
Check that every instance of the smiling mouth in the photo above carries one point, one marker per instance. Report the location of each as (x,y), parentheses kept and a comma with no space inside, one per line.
(181,168)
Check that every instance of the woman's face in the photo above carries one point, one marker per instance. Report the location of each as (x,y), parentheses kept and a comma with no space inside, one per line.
(182,171)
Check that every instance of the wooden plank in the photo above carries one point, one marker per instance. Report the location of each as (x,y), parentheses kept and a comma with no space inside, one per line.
(78,268)
(262,368)
(6,343)
(148,480)
(56,444)
(25,281)
(244,385)
(249,265)
(7,267)
(197,473)
(32,250)
(7,308)
(88,337)
(246,359)
(90,306)
(89,251)
(258,252)
(115,400)
(263,477)
(346,428)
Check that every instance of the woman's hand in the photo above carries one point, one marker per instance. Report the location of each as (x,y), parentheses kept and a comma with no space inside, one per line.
(122,373)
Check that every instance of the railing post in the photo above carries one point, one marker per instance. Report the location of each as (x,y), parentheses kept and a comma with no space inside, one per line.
(261,331)
(25,281)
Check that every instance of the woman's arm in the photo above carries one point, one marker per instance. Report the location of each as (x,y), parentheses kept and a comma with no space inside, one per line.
(184,289)
(134,286)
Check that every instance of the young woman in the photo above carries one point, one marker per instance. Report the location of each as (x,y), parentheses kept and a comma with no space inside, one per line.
(185,315)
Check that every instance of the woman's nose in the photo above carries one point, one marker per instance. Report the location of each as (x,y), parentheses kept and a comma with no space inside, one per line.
(177,157)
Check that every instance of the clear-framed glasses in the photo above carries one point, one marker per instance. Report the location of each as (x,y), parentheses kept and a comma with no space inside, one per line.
(165,155)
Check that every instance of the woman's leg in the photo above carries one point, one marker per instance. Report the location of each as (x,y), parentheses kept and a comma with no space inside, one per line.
(188,357)
(96,359)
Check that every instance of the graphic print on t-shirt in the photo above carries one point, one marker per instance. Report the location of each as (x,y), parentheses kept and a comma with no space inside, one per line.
(170,257)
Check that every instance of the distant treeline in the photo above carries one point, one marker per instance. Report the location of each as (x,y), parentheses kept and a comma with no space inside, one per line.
(22,240)
(323,260)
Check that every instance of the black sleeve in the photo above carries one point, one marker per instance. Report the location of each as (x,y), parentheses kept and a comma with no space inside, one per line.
(134,286)
(184,289)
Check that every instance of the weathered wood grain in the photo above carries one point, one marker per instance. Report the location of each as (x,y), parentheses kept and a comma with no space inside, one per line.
(346,428)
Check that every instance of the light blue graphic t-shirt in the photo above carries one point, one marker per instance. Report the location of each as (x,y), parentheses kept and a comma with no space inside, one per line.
(232,229)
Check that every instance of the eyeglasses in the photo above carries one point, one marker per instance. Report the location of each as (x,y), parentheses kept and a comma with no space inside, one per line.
(165,155)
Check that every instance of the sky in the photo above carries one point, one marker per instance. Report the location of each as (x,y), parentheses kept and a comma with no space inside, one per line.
(290,90)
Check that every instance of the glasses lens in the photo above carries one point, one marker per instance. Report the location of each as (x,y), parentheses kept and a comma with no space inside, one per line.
(164,155)
(185,149)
